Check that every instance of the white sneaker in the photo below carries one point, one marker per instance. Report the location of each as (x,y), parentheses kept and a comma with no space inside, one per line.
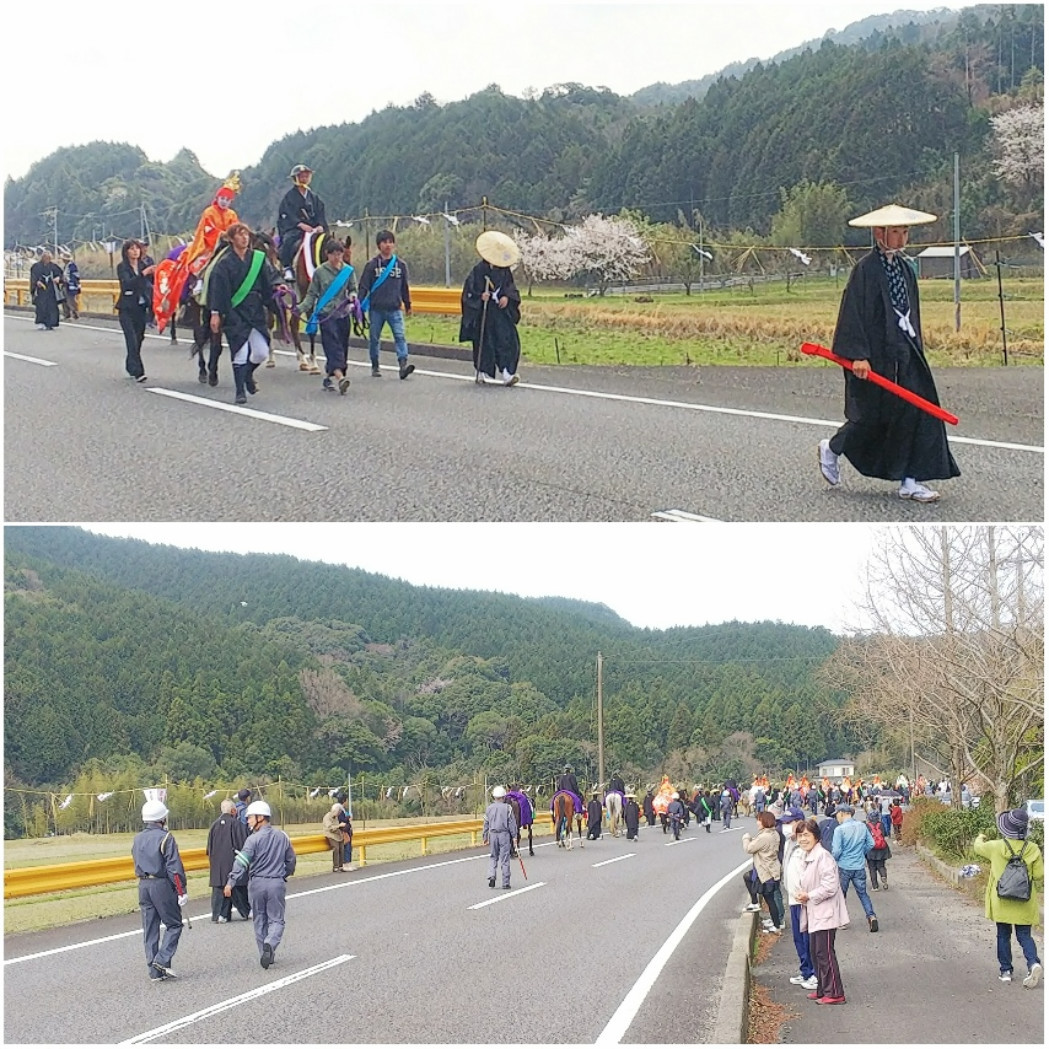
(829,466)
(507,378)
(1005,977)
(799,979)
(752,907)
(918,492)
(288,275)
(811,983)
(1033,976)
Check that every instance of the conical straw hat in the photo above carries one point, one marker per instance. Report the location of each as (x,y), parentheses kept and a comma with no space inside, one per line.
(498,249)
(893,215)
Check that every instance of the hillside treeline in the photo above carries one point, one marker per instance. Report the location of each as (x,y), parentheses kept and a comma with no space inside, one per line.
(202,665)
(881,118)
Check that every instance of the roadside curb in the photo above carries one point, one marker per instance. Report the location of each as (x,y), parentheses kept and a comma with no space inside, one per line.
(730,1027)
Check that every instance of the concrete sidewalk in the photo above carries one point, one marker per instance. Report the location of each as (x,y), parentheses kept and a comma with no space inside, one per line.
(930,975)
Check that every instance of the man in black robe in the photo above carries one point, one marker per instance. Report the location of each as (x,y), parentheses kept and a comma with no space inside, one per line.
(631,815)
(491,306)
(45,283)
(649,807)
(225,838)
(243,321)
(595,813)
(301,211)
(616,783)
(879,328)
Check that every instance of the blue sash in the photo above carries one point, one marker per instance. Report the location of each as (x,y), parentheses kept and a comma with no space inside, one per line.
(382,276)
(333,289)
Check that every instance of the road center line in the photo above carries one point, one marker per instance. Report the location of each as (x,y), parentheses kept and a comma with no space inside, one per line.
(32,360)
(503,895)
(604,863)
(252,413)
(232,1003)
(623,1017)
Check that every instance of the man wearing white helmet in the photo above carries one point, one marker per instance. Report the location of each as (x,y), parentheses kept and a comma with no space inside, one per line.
(265,863)
(500,828)
(161,889)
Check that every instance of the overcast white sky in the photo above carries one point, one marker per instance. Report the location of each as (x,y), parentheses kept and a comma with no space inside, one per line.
(652,575)
(227,79)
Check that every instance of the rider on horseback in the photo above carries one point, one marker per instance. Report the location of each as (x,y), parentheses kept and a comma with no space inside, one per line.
(616,783)
(301,211)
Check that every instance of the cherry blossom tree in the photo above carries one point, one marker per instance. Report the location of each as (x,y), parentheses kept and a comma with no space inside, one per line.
(607,249)
(1019,146)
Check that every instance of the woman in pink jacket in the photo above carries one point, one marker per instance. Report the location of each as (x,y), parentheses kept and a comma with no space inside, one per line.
(823,912)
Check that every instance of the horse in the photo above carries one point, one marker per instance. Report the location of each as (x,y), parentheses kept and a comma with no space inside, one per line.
(523,814)
(308,256)
(562,811)
(614,811)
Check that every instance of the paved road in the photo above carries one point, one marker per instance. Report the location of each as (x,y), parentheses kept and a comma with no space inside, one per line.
(418,952)
(82,443)
(928,976)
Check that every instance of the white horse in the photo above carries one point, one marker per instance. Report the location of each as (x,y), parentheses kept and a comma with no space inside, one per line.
(614,811)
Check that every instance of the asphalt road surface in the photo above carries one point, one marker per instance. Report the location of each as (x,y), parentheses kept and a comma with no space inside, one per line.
(84,443)
(616,941)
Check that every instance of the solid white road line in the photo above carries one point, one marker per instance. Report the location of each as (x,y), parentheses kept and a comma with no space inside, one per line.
(32,360)
(504,895)
(252,413)
(232,1003)
(656,402)
(684,515)
(623,1017)
(604,863)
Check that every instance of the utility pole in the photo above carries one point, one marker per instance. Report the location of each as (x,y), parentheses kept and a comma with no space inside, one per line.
(447,250)
(957,248)
(600,727)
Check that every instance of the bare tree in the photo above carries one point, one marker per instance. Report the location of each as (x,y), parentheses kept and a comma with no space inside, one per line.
(951,651)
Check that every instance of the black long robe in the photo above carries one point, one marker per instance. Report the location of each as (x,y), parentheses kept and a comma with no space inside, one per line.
(631,817)
(237,321)
(45,299)
(885,436)
(502,345)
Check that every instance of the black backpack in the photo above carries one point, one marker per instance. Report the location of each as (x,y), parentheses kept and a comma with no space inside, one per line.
(1015,881)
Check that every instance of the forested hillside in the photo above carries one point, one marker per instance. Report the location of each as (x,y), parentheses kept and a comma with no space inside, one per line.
(201,664)
(880,118)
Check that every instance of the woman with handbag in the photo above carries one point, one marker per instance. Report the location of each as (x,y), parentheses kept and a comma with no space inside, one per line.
(333,832)
(1011,911)
(823,912)
(765,850)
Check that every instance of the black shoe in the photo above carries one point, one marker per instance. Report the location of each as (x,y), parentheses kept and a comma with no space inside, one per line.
(406,369)
(376,374)
(202,377)
(213,378)
(267,956)
(165,972)
(872,921)
(241,398)
(506,886)
(491,883)
(328,386)
(141,378)
(251,386)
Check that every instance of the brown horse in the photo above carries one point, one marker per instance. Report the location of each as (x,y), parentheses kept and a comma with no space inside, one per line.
(562,813)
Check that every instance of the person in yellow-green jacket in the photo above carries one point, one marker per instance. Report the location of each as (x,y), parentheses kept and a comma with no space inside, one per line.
(1010,914)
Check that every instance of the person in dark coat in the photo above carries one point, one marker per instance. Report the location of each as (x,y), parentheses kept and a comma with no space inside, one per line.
(243,320)
(300,212)
(649,807)
(226,836)
(45,284)
(131,306)
(676,814)
(877,856)
(879,329)
(491,306)
(631,815)
(70,308)
(595,813)
(616,783)
(567,781)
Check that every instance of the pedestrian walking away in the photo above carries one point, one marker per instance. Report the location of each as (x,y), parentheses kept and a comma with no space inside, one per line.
(850,844)
(498,832)
(1011,901)
(383,291)
(162,889)
(879,329)
(877,855)
(265,863)
(225,838)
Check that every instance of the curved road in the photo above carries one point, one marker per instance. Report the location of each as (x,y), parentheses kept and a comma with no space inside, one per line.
(84,443)
(617,941)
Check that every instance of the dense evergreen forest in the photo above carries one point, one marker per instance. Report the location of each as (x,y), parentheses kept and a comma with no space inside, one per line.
(880,116)
(198,665)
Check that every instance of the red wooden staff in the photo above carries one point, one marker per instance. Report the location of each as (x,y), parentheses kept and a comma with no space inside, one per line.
(813,350)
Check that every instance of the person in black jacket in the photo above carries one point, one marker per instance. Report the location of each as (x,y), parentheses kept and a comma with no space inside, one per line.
(225,838)
(383,290)
(45,282)
(631,815)
(131,306)
(241,284)
(301,211)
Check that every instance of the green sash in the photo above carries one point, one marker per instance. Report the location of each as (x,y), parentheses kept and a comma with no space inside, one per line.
(257,259)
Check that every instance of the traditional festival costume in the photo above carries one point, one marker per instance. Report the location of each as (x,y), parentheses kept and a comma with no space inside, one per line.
(493,331)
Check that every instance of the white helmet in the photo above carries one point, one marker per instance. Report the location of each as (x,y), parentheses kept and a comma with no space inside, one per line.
(676,795)
(258,808)
(154,812)
(498,792)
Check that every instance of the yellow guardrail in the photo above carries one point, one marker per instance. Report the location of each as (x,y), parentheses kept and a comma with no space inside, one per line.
(33,881)
(100,296)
